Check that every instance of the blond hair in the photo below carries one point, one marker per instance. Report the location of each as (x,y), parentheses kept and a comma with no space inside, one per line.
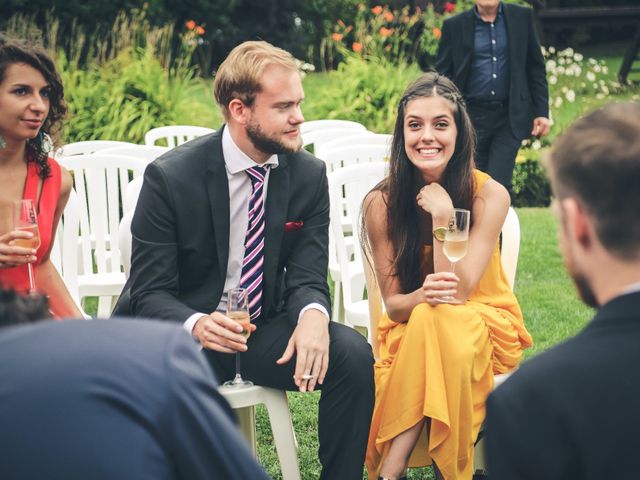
(239,75)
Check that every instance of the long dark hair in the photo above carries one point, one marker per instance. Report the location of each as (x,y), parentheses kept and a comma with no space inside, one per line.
(16,51)
(404,180)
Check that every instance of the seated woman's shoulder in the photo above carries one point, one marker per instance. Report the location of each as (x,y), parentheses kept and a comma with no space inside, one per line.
(495,192)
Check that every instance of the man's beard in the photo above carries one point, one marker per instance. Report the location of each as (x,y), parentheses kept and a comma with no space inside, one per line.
(584,289)
(269,145)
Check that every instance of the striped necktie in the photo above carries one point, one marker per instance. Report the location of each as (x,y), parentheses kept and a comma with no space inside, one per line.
(251,276)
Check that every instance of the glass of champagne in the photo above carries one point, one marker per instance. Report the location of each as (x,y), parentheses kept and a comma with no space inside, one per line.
(238,310)
(26,219)
(456,238)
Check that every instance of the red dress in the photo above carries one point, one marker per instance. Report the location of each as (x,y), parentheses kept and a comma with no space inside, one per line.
(18,277)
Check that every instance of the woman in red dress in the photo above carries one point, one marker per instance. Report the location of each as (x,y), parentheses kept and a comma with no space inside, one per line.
(31,103)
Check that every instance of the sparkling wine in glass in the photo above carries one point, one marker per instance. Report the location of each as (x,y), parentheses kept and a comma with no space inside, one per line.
(238,310)
(456,237)
(26,219)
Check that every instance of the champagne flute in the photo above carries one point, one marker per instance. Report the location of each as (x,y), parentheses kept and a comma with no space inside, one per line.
(26,219)
(456,237)
(238,310)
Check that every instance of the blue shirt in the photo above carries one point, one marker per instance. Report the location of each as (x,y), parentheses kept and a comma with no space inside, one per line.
(489,71)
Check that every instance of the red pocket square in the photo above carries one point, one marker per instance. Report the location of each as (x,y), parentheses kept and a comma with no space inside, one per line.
(293,226)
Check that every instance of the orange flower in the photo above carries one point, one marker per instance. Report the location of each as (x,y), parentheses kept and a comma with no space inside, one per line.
(437,33)
(190,24)
(388,16)
(377,10)
(385,32)
(356,47)
(199,30)
(336,36)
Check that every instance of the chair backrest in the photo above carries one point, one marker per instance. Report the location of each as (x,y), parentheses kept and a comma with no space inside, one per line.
(510,248)
(88,147)
(307,127)
(124,242)
(350,138)
(146,152)
(175,135)
(101,181)
(344,156)
(318,138)
(351,184)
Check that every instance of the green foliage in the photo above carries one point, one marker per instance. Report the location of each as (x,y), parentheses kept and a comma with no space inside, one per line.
(363,89)
(531,186)
(127,96)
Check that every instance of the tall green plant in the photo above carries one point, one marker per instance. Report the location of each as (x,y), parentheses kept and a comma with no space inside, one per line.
(363,89)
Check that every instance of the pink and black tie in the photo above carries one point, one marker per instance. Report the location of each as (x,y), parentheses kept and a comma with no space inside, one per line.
(251,276)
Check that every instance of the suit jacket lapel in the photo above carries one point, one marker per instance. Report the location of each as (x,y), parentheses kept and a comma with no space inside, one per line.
(218,191)
(275,217)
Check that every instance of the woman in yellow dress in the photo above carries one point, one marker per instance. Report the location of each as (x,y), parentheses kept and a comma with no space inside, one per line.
(444,335)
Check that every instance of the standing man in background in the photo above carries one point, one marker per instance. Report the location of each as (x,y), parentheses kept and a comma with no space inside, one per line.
(493,55)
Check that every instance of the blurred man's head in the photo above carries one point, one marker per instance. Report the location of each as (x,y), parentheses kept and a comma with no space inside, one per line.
(16,308)
(595,175)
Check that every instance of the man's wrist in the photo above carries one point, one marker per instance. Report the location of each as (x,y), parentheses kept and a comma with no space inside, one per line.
(314,306)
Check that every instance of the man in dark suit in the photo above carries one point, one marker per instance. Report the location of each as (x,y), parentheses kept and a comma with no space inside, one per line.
(492,54)
(572,412)
(109,400)
(202,225)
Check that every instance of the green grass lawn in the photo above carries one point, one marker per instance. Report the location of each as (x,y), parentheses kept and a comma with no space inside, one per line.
(551,310)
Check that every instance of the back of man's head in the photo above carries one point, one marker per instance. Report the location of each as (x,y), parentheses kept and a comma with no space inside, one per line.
(16,308)
(597,161)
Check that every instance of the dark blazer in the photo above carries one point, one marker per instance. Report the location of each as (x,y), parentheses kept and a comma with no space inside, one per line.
(181,235)
(105,400)
(573,412)
(528,91)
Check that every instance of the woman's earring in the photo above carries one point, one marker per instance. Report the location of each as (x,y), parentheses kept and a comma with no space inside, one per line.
(2,142)
(45,142)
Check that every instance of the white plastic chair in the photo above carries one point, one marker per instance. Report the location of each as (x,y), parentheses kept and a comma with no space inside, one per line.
(307,127)
(318,138)
(336,158)
(360,138)
(352,184)
(64,253)
(245,399)
(146,152)
(87,147)
(100,181)
(175,135)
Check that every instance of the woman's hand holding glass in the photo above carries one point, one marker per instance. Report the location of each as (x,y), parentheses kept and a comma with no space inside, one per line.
(11,253)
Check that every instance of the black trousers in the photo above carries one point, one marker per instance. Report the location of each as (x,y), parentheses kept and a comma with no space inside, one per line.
(497,147)
(347,395)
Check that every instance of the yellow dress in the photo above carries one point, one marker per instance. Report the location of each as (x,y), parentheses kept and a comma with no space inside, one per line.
(440,364)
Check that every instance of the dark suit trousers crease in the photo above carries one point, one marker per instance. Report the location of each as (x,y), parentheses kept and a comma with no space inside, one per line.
(497,147)
(347,395)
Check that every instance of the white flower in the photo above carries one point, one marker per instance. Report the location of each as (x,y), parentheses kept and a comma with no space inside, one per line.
(592,61)
(560,70)
(599,96)
(571,96)
(565,89)
(557,102)
(562,61)
(536,144)
(553,79)
(552,50)
(597,68)
(551,64)
(578,57)
(591,76)
(525,142)
(605,69)
(605,90)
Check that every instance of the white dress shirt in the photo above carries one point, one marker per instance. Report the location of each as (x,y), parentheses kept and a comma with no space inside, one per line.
(236,162)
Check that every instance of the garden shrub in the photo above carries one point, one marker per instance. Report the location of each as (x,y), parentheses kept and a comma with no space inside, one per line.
(531,186)
(363,89)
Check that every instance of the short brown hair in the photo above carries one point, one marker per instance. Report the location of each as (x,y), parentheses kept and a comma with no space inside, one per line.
(239,75)
(597,161)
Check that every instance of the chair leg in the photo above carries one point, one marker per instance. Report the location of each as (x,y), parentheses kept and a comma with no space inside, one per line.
(104,306)
(337,313)
(283,434)
(479,462)
(247,420)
